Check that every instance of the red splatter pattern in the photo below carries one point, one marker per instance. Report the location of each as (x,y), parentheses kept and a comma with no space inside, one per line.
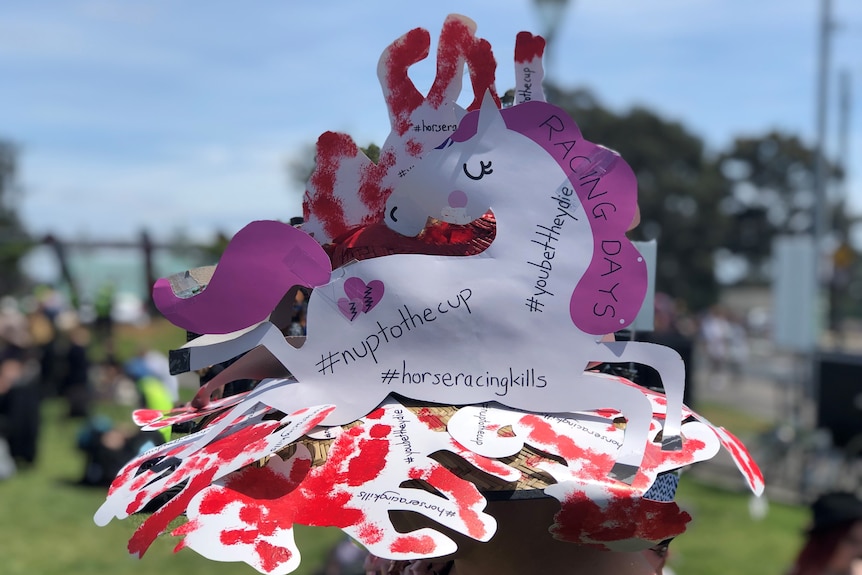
(528,47)
(459,490)
(332,148)
(264,503)
(614,515)
(403,97)
(589,463)
(412,544)
(151,419)
(324,206)
(431,420)
(743,460)
(199,470)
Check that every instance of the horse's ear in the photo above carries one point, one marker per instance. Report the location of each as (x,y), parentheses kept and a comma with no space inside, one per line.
(490,118)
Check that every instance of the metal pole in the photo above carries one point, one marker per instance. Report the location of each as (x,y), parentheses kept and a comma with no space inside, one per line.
(550,12)
(820,175)
(843,125)
(810,392)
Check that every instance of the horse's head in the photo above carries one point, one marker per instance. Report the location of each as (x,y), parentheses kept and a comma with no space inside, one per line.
(454,182)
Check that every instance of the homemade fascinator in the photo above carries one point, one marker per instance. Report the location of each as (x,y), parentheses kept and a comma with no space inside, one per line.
(460,288)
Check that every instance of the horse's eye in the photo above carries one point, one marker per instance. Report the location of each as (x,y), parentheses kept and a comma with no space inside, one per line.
(484,169)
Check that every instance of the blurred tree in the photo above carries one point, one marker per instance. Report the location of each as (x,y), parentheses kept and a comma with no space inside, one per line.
(680,191)
(210,253)
(772,192)
(14,240)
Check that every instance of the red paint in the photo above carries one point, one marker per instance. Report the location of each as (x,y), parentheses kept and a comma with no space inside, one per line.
(402,97)
(128,475)
(271,501)
(655,457)
(271,556)
(205,462)
(146,416)
(463,493)
(621,517)
(486,464)
(317,501)
(237,537)
(371,533)
(528,47)
(456,39)
(370,192)
(743,458)
(251,514)
(413,544)
(300,469)
(332,148)
(413,148)
(431,421)
(592,464)
(368,467)
(156,523)
(483,69)
(534,461)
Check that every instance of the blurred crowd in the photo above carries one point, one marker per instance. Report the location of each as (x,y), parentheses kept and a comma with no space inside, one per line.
(47,353)
(49,349)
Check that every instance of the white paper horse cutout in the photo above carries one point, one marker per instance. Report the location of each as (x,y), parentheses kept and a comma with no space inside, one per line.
(464,330)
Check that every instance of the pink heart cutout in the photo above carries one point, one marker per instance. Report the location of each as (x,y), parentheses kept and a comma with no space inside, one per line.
(350,308)
(369,294)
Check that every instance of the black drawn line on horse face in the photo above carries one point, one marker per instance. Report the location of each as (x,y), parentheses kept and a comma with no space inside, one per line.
(484,170)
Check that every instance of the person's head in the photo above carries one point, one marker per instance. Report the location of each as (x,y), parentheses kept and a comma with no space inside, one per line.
(522,544)
(833,541)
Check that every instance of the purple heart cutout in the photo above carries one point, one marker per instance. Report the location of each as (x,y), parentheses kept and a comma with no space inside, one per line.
(350,308)
(369,294)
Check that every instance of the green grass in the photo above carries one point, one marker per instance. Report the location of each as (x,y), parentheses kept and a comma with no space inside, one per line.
(46,524)
(743,425)
(723,538)
(159,334)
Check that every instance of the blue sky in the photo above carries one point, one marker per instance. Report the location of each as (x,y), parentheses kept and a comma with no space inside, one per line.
(183,115)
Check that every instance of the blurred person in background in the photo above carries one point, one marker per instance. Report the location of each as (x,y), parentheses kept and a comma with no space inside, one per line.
(75,384)
(715,334)
(107,447)
(152,391)
(43,333)
(833,542)
(156,364)
(104,307)
(19,391)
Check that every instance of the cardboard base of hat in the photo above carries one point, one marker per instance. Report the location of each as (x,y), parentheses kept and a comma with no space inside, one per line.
(529,486)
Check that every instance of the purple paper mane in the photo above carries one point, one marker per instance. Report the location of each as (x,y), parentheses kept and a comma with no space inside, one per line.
(607,191)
